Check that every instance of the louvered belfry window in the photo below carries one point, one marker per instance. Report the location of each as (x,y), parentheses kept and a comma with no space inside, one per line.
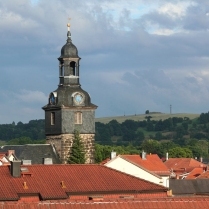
(78,117)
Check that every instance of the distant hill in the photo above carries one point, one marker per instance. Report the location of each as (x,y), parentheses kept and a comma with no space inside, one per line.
(141,117)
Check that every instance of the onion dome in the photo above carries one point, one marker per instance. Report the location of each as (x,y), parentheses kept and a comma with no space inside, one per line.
(69,49)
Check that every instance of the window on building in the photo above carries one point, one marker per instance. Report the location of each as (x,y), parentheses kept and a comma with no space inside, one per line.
(78,117)
(52,118)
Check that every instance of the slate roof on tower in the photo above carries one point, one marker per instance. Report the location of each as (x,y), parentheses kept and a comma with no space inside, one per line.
(69,49)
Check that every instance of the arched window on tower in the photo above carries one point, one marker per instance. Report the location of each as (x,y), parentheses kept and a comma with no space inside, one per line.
(78,117)
(72,68)
(61,70)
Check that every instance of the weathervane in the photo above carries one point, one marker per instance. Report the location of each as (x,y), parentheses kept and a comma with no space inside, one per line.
(68,25)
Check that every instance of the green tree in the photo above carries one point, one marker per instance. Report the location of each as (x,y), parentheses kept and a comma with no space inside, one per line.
(139,136)
(158,136)
(150,146)
(98,153)
(150,126)
(166,145)
(203,146)
(180,152)
(77,154)
(20,141)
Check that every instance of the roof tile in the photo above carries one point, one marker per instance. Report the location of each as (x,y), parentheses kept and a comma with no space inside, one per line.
(195,173)
(46,180)
(152,163)
(183,163)
(163,203)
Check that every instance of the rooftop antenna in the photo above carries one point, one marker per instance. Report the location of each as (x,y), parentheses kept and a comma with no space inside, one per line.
(170,109)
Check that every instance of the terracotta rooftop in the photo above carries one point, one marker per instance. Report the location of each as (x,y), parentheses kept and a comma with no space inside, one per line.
(204,175)
(195,173)
(152,163)
(183,163)
(60,181)
(167,203)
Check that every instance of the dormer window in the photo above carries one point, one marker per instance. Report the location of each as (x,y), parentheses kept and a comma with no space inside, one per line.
(53,98)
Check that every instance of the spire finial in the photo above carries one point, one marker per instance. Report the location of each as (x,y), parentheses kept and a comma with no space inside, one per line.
(68,25)
(68,30)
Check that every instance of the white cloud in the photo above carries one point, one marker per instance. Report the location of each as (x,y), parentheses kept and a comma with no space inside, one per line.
(31,96)
(176,10)
(168,64)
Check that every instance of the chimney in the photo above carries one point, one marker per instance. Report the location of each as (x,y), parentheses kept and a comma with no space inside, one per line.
(15,168)
(143,155)
(169,193)
(47,161)
(201,159)
(166,157)
(112,155)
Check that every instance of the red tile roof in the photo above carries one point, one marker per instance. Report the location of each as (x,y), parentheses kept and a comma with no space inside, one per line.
(59,181)
(204,175)
(183,163)
(152,163)
(168,203)
(195,173)
(122,196)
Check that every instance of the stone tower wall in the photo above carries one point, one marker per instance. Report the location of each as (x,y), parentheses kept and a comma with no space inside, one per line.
(64,142)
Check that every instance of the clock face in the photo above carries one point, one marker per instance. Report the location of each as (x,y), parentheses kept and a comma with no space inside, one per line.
(52,99)
(78,98)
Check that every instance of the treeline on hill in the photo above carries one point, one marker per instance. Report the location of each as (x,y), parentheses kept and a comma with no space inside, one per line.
(28,133)
(181,137)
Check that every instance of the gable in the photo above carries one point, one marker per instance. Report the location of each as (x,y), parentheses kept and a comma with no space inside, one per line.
(125,166)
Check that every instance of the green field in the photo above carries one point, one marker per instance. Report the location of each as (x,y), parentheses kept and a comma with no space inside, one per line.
(141,117)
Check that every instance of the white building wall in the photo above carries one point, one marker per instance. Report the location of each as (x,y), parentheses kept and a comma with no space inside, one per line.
(129,168)
(165,180)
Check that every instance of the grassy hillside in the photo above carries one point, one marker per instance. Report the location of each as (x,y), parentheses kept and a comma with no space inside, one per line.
(141,117)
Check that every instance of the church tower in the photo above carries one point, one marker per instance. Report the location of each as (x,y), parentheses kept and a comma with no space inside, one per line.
(69,107)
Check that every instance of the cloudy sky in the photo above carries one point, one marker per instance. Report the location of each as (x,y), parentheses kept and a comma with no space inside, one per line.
(137,55)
